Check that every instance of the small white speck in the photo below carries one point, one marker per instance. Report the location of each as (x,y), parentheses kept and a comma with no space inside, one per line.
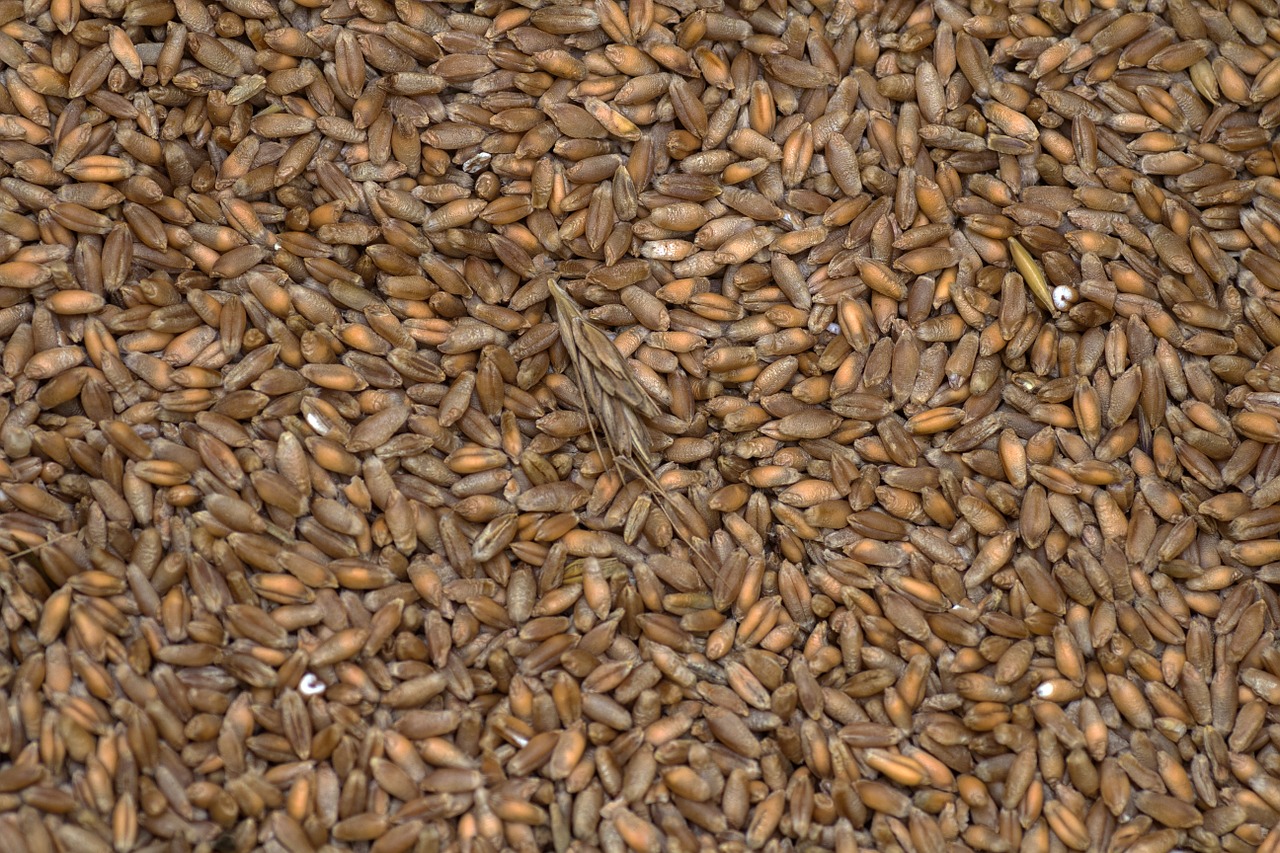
(310,685)
(1044,691)
(1064,297)
(833,328)
(317,423)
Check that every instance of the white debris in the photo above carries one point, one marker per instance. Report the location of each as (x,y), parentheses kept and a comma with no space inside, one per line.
(1064,297)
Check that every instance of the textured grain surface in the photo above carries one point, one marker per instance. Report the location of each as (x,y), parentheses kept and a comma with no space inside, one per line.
(637,425)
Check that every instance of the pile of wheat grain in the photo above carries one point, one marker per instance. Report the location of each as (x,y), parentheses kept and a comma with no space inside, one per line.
(664,425)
